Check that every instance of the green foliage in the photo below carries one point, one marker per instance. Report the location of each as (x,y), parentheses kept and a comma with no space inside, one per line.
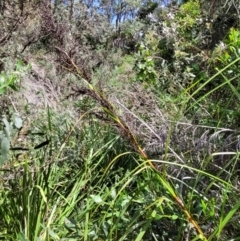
(146,9)
(189,21)
(144,66)
(225,61)
(229,50)
(6,135)
(11,79)
(188,14)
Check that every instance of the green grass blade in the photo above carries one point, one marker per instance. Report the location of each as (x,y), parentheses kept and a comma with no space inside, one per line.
(224,222)
(143,230)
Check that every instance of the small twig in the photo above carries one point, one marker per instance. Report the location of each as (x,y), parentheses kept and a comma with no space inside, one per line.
(14,107)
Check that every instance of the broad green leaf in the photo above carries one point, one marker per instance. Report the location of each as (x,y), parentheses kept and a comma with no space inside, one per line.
(7,127)
(70,224)
(96,198)
(2,79)
(19,65)
(2,90)
(53,234)
(17,121)
(113,193)
(125,202)
(21,237)
(14,87)
(5,146)
(2,160)
(174,217)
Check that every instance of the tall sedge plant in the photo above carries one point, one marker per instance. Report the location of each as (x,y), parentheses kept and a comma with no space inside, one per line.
(109,109)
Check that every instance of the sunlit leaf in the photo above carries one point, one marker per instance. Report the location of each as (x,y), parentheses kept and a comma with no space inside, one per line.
(113,192)
(5,146)
(96,198)
(21,237)
(7,127)
(17,121)
(2,79)
(174,217)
